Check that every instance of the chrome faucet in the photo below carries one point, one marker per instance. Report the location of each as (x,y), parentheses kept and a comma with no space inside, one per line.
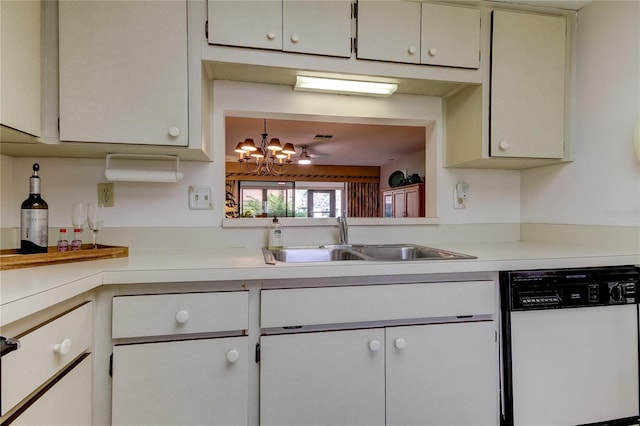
(343,229)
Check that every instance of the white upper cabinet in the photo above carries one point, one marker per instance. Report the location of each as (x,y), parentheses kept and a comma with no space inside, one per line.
(419,33)
(253,23)
(315,27)
(20,65)
(389,31)
(450,36)
(318,27)
(123,72)
(527,85)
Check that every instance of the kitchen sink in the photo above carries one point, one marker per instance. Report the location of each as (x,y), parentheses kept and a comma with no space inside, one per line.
(367,252)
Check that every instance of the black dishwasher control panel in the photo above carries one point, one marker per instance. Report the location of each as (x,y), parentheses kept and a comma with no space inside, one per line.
(567,288)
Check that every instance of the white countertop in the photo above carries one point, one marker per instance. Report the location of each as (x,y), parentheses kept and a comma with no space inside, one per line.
(25,291)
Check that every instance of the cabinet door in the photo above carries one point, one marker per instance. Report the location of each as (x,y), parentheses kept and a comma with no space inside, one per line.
(247,23)
(399,204)
(191,382)
(450,36)
(123,72)
(317,26)
(20,65)
(442,374)
(389,30)
(414,201)
(68,402)
(323,379)
(527,85)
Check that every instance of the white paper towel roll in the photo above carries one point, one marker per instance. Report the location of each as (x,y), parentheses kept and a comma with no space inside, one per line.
(131,175)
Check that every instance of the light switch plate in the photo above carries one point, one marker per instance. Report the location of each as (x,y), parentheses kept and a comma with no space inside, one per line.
(200,198)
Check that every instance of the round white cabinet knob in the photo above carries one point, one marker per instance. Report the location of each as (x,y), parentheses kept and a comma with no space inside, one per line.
(412,50)
(174,131)
(233,355)
(503,145)
(182,317)
(271,35)
(62,348)
(295,38)
(374,345)
(433,51)
(399,343)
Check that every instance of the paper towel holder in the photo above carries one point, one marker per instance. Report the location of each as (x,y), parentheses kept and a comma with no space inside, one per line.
(143,174)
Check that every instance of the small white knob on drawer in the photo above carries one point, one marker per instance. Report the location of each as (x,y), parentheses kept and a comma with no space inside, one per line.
(233,355)
(503,145)
(374,345)
(271,35)
(295,38)
(182,317)
(399,343)
(174,131)
(433,51)
(62,348)
(412,50)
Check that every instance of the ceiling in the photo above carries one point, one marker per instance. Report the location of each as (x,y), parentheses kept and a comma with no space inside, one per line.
(349,145)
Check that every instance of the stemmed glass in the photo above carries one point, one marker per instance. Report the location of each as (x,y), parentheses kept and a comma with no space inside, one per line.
(78,215)
(95,217)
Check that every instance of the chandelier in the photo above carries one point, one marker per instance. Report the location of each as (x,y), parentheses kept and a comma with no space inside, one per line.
(267,159)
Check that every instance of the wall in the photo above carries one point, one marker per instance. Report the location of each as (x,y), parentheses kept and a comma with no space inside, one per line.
(602,186)
(494,195)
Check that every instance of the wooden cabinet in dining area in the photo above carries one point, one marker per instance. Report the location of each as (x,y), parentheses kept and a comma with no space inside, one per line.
(405,201)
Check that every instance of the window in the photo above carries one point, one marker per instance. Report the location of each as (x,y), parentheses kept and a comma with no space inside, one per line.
(263,199)
(290,199)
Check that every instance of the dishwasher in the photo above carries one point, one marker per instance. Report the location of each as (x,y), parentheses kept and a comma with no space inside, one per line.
(570,346)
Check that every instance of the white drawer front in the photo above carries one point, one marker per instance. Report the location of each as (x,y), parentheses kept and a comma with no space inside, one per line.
(169,314)
(68,402)
(43,352)
(337,305)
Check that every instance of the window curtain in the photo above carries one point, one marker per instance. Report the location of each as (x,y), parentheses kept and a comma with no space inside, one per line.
(231,208)
(363,199)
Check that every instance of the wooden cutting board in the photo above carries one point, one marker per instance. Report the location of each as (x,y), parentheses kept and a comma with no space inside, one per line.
(13,259)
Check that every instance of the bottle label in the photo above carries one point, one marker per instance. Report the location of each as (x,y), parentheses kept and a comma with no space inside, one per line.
(34,226)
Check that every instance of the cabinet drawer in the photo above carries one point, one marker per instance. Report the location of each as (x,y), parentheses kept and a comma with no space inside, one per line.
(170,314)
(68,402)
(349,304)
(44,352)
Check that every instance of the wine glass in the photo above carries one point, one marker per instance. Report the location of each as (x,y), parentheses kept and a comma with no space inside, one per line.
(95,217)
(78,215)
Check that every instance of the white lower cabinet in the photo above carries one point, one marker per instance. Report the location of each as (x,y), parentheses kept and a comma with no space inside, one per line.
(398,354)
(435,374)
(180,359)
(190,382)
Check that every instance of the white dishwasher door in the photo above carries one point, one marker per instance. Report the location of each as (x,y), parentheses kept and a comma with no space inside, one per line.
(574,366)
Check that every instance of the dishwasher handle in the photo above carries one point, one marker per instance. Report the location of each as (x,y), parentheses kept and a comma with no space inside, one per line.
(8,345)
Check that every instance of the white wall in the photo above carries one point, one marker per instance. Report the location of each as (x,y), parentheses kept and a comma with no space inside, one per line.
(602,185)
(494,195)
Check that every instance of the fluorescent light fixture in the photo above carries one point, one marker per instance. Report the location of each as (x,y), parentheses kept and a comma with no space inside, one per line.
(354,87)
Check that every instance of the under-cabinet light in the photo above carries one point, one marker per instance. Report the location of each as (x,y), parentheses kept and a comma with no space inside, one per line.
(354,87)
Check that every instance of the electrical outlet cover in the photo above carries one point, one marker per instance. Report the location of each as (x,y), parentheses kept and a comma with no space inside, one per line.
(200,198)
(105,194)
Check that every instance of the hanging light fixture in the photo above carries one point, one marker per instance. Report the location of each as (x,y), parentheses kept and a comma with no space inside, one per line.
(268,158)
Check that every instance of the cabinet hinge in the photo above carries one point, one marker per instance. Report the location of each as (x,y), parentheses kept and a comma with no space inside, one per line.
(354,45)
(206,29)
(354,10)
(111,365)
(257,353)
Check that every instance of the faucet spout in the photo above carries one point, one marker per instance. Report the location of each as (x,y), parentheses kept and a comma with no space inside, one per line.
(343,229)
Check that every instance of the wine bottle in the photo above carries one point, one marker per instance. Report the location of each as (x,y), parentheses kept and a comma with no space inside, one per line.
(34,218)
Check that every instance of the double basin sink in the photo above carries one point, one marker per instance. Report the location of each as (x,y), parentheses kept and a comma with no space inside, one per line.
(370,252)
